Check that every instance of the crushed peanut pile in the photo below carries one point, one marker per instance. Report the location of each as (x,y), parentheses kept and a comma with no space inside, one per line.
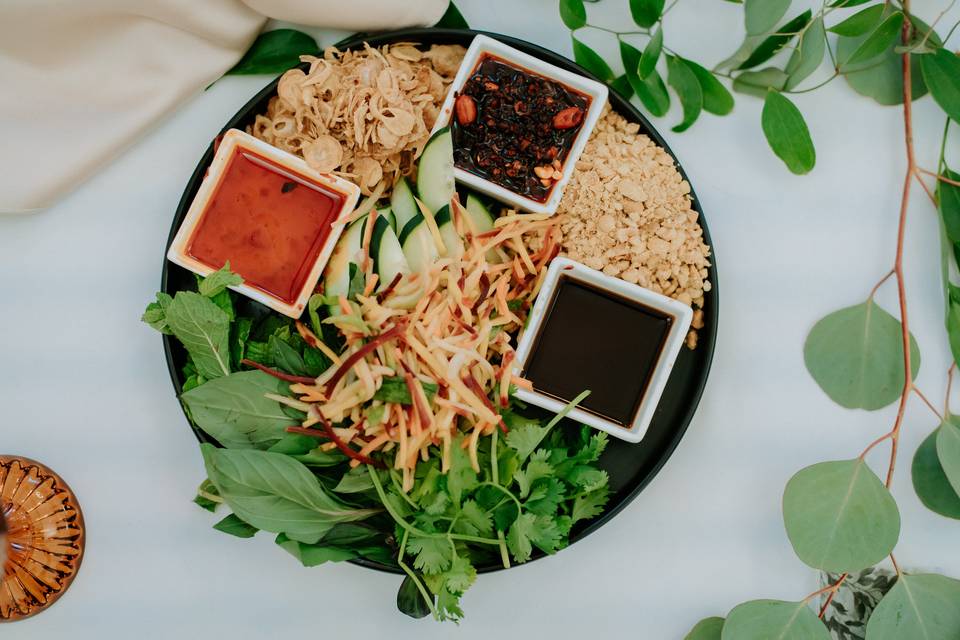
(627,212)
(363,115)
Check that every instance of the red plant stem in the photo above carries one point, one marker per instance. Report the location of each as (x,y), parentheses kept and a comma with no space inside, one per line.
(355,357)
(929,404)
(286,377)
(832,588)
(895,565)
(901,232)
(941,178)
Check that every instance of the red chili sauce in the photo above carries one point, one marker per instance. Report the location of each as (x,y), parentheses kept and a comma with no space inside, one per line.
(268,222)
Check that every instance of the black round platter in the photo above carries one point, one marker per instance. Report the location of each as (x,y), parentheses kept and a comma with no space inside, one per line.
(630,466)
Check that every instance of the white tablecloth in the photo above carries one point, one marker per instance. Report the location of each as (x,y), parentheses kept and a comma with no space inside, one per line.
(84,386)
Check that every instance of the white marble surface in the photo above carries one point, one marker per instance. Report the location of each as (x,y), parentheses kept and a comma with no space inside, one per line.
(84,386)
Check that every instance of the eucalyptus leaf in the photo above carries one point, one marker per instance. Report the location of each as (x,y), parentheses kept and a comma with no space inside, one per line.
(592,61)
(860,23)
(716,98)
(767,619)
(948,198)
(685,83)
(839,516)
(856,356)
(706,629)
(882,78)
(759,83)
(941,72)
(274,492)
(808,55)
(846,4)
(573,13)
(204,329)
(275,52)
(760,16)
(884,37)
(234,411)
(931,483)
(651,53)
(787,133)
(918,606)
(652,93)
(741,55)
(646,13)
(771,45)
(948,451)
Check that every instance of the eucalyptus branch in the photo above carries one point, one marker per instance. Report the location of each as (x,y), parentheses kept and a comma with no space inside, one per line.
(905,36)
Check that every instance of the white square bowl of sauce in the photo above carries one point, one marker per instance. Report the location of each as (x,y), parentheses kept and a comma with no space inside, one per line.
(589,331)
(268,214)
(490,61)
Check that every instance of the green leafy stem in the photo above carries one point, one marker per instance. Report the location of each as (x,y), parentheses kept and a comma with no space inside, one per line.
(866,50)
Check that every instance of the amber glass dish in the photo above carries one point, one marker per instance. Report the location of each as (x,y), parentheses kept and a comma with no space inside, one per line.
(45,537)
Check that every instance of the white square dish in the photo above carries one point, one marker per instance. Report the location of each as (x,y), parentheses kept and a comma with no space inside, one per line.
(294,172)
(679,315)
(597,93)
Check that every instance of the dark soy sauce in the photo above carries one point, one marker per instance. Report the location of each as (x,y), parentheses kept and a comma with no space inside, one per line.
(593,339)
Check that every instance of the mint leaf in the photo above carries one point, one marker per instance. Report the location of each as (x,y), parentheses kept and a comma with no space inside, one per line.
(155,314)
(218,281)
(204,330)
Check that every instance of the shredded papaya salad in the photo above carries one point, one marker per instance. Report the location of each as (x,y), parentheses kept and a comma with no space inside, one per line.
(454,342)
(381,426)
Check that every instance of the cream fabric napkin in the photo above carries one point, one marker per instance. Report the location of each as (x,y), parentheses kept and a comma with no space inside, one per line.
(80,80)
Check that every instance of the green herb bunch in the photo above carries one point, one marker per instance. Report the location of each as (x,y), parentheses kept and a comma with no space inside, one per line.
(536,482)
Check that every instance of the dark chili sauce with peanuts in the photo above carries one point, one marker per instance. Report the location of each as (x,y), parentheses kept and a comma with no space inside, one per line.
(514,127)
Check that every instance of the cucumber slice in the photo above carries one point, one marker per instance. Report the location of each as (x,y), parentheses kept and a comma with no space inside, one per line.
(480,215)
(388,256)
(387,213)
(448,232)
(403,205)
(336,277)
(435,182)
(418,245)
